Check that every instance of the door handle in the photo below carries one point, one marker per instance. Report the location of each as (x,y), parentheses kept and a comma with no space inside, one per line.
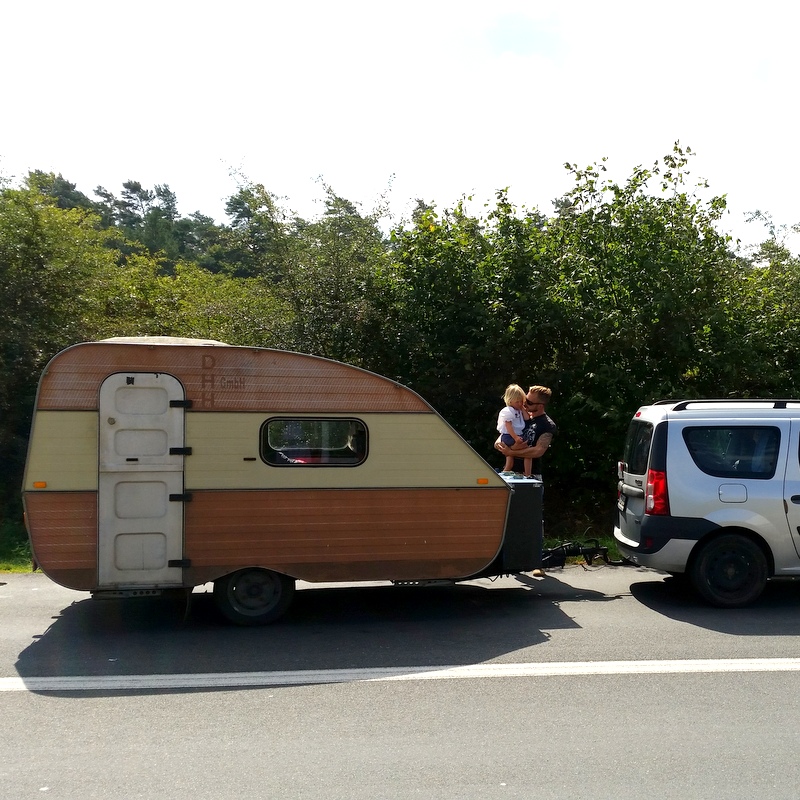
(796,499)
(633,491)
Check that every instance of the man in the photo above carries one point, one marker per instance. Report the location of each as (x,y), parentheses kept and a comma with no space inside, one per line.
(539,430)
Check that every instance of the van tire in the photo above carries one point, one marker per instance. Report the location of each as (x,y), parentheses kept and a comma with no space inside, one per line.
(730,571)
(253,596)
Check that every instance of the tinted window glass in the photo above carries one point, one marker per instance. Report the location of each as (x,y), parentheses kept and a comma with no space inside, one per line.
(637,447)
(734,452)
(295,442)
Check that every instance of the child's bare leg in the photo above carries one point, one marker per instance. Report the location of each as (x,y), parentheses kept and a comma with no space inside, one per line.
(527,463)
(509,467)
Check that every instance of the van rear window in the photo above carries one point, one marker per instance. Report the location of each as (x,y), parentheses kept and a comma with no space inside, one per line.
(734,451)
(637,447)
(298,442)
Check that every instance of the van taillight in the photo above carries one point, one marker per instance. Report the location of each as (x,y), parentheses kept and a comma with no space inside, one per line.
(656,501)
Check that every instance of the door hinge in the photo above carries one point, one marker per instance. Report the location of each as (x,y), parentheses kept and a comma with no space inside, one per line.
(180,403)
(180,451)
(179,562)
(186,497)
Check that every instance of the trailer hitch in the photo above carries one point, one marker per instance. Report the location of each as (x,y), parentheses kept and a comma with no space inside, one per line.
(590,550)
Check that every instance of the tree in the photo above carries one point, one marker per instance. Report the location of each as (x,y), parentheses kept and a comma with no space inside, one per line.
(643,284)
(135,203)
(202,241)
(768,314)
(330,281)
(243,311)
(260,234)
(62,191)
(50,260)
(148,217)
(448,330)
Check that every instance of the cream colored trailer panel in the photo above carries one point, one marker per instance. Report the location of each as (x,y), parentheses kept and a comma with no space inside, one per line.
(62,452)
(404,451)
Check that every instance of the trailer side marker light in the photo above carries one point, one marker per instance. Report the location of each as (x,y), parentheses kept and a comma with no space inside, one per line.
(483,481)
(40,484)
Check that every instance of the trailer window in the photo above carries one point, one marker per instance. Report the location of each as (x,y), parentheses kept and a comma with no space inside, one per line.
(299,442)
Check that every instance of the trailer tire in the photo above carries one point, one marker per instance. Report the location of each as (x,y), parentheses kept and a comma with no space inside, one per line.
(253,596)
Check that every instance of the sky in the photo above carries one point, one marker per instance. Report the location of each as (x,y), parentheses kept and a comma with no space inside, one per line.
(404,100)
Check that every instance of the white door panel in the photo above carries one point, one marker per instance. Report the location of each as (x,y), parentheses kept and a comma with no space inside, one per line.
(141,466)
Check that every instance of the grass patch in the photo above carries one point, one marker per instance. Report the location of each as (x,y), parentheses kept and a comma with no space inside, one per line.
(570,520)
(15,551)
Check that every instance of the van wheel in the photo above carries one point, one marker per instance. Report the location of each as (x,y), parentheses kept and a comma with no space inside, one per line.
(730,571)
(253,596)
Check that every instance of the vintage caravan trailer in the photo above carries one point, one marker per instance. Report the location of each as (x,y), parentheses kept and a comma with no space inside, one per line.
(157,464)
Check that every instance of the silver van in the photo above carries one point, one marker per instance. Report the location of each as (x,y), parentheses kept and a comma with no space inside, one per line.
(710,489)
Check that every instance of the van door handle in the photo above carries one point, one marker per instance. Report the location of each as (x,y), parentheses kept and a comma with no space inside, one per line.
(633,491)
(796,498)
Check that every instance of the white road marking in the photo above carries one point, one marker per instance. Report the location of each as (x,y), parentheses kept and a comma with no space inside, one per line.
(226,680)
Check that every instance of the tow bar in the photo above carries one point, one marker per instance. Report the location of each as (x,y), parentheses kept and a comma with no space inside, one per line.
(590,550)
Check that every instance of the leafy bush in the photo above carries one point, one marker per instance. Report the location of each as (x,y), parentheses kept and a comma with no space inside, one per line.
(15,552)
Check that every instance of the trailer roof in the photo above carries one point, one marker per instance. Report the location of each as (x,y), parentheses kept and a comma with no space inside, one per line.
(185,340)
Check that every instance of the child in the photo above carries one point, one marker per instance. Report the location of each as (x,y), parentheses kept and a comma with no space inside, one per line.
(510,424)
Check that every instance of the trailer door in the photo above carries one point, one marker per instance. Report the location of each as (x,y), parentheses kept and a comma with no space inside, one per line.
(140,508)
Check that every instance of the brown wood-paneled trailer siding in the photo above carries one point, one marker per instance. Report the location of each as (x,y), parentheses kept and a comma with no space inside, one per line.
(416,503)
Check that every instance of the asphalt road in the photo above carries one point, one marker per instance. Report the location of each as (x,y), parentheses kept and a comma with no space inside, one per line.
(480,690)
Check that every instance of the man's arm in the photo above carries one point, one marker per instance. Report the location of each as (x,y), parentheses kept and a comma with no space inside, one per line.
(537,451)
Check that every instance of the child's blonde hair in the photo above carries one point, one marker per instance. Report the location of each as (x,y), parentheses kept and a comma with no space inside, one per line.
(513,393)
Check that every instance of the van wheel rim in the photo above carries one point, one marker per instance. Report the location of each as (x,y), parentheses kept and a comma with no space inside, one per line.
(730,571)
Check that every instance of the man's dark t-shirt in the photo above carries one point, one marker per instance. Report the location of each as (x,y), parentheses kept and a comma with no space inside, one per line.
(534,428)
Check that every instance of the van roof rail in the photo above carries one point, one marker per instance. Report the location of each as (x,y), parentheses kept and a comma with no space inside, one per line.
(682,405)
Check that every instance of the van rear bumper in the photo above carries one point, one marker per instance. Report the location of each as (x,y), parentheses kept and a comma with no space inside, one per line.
(665,543)
(670,558)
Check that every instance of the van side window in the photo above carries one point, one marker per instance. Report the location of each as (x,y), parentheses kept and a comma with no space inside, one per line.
(298,442)
(637,447)
(733,451)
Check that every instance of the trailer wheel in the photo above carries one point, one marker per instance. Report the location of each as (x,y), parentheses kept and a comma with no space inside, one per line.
(730,571)
(253,596)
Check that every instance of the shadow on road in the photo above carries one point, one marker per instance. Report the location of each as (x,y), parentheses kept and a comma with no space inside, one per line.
(326,628)
(775,613)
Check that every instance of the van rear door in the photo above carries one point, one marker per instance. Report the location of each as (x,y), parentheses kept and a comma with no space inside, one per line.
(632,472)
(791,487)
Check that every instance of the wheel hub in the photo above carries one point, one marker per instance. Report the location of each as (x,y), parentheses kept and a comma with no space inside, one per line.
(254,592)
